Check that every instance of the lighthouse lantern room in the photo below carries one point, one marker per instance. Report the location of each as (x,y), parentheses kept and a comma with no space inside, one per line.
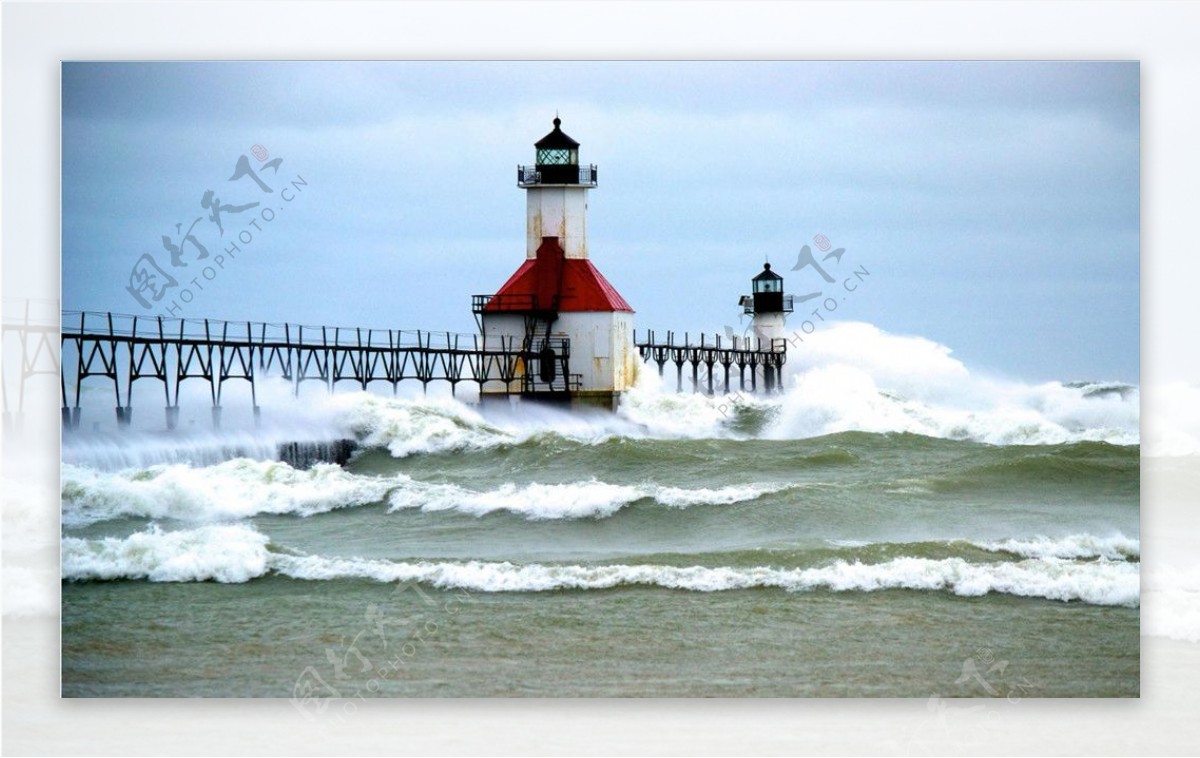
(572,326)
(768,305)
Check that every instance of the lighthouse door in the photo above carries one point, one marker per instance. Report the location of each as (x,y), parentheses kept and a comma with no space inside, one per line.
(548,370)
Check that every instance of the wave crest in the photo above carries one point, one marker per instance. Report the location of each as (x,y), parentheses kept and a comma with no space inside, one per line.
(591,499)
(1076,546)
(244,488)
(235,489)
(239,553)
(407,427)
(232,554)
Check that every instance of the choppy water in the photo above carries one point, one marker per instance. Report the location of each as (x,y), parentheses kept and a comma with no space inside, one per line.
(883,529)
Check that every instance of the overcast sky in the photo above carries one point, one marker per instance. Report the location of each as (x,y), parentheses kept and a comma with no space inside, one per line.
(995,205)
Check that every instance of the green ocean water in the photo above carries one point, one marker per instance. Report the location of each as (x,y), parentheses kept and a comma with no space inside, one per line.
(611,563)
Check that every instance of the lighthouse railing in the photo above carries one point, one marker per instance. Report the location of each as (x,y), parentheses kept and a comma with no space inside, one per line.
(532,176)
(518,303)
(747,302)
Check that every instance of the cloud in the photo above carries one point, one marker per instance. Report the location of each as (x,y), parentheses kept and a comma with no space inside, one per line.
(1018,176)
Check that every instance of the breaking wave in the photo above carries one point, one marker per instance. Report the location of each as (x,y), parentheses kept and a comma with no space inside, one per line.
(243,488)
(239,553)
(1074,547)
(235,489)
(1117,547)
(592,499)
(231,554)
(1099,584)
(407,427)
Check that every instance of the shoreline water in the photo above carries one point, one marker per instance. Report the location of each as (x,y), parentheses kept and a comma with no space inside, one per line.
(638,642)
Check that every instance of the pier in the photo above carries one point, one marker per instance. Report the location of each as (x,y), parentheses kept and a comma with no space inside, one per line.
(124,350)
(763,358)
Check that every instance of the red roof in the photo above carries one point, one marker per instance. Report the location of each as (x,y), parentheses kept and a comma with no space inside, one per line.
(551,281)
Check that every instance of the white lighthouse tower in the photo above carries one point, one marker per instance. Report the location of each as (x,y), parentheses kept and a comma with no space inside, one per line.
(573,327)
(769,308)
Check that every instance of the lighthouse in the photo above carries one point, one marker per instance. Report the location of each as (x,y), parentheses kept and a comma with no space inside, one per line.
(769,308)
(572,327)
(768,305)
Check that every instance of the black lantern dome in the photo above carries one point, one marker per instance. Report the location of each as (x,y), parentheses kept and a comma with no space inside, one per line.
(768,281)
(768,293)
(557,162)
(556,148)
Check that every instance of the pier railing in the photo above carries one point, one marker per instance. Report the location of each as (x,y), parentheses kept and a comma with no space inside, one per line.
(763,358)
(127,349)
(257,333)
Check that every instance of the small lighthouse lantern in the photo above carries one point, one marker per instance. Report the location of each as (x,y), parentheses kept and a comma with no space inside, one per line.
(557,149)
(767,304)
(556,162)
(768,291)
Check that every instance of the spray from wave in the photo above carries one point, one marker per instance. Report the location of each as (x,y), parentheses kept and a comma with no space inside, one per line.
(854,376)
(846,377)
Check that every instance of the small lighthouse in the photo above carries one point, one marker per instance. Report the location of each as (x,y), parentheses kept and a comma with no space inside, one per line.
(572,326)
(768,305)
(769,308)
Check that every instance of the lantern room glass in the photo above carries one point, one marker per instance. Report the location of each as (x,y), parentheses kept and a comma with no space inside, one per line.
(557,157)
(768,285)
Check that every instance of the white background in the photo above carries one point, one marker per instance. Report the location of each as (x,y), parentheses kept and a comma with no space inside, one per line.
(36,36)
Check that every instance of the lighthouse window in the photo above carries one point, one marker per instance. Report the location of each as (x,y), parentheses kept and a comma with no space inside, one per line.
(556,157)
(768,285)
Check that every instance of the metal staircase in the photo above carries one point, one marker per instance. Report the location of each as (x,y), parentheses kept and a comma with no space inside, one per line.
(547,358)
